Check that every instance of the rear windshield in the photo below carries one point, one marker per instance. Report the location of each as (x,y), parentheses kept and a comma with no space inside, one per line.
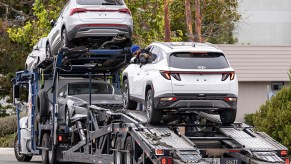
(83,88)
(100,2)
(186,60)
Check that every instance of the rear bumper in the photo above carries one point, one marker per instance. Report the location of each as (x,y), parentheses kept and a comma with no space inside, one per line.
(196,101)
(99,30)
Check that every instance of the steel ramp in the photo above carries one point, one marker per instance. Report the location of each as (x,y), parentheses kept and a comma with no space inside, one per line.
(137,115)
(268,157)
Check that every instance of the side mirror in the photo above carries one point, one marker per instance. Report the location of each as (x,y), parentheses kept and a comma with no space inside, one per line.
(133,60)
(35,47)
(52,23)
(16,94)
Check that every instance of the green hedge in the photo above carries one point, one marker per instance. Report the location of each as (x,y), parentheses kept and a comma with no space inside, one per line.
(8,125)
(7,140)
(274,117)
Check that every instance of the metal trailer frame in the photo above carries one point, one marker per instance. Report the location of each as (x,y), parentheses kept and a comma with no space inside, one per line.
(104,136)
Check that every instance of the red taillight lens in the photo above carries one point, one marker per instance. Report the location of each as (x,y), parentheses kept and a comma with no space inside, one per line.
(287,161)
(232,75)
(226,75)
(166,74)
(166,160)
(60,138)
(77,10)
(284,152)
(125,10)
(176,76)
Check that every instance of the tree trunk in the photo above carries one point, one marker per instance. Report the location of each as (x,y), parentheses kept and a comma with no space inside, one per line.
(189,27)
(167,21)
(198,36)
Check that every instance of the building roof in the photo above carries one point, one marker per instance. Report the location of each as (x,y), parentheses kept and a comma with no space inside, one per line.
(259,63)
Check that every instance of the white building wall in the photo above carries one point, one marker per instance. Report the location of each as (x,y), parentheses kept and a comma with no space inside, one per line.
(264,22)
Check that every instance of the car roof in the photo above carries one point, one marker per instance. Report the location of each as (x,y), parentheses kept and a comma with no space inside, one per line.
(170,47)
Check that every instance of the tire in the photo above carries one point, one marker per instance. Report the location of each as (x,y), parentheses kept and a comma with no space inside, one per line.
(127,103)
(228,116)
(43,106)
(128,156)
(48,51)
(48,156)
(45,143)
(118,158)
(64,40)
(154,115)
(20,157)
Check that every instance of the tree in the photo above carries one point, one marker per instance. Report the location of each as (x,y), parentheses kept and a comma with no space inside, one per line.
(198,20)
(188,15)
(167,21)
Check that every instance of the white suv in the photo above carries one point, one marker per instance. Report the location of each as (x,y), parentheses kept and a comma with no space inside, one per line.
(184,77)
(97,23)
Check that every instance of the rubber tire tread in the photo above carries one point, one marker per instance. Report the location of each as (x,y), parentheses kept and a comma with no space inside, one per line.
(132,105)
(156,115)
(43,104)
(20,157)
(228,116)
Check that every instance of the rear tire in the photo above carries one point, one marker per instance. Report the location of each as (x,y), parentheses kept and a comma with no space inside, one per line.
(65,40)
(128,156)
(127,103)
(228,116)
(20,157)
(154,115)
(43,106)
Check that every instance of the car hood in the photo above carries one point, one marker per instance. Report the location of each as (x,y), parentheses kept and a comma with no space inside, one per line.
(100,98)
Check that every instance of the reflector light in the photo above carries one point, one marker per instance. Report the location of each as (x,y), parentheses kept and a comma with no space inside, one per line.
(284,152)
(77,10)
(176,76)
(224,77)
(287,160)
(60,138)
(230,99)
(159,152)
(166,74)
(234,151)
(164,161)
(169,99)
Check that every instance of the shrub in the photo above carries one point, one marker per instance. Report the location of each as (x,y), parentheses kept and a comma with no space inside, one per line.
(7,140)
(249,119)
(274,117)
(8,125)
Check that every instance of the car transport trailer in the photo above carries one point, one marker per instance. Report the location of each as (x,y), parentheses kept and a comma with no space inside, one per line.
(123,136)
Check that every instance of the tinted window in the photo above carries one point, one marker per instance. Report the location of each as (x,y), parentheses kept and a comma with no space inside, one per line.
(159,54)
(83,88)
(186,60)
(100,2)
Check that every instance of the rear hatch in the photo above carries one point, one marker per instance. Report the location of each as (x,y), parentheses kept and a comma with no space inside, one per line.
(100,12)
(203,72)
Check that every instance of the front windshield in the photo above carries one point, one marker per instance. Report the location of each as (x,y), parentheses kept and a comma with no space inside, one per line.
(83,88)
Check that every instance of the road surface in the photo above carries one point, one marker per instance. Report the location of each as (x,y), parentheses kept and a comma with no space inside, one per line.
(7,157)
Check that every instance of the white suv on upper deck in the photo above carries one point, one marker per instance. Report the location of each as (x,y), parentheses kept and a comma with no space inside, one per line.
(98,23)
(184,77)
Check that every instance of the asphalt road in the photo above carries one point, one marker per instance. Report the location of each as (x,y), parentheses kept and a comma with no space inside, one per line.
(7,157)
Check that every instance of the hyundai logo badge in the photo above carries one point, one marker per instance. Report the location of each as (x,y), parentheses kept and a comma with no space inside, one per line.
(201,67)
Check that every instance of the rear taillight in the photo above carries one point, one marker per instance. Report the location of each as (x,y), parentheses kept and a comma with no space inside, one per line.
(176,76)
(166,74)
(125,10)
(226,75)
(284,152)
(166,160)
(77,10)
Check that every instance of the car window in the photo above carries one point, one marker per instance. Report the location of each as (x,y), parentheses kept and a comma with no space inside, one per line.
(63,90)
(83,88)
(158,52)
(188,60)
(100,2)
